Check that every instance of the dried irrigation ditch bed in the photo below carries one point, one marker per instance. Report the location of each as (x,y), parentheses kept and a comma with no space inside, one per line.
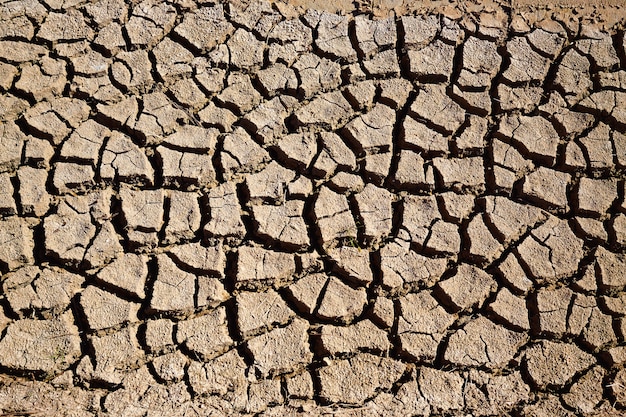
(220,209)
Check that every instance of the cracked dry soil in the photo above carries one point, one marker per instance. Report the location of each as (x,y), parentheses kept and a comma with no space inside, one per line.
(247,209)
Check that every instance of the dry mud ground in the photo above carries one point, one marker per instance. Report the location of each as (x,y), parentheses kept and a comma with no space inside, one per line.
(254,209)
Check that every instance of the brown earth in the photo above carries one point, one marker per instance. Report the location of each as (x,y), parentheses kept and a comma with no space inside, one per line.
(312,208)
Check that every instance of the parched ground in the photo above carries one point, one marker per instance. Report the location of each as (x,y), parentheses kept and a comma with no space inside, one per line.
(214,209)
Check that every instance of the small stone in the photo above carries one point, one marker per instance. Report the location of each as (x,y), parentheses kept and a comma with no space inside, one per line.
(282,350)
(206,335)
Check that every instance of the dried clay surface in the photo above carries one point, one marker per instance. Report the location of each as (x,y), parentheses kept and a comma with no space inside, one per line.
(223,209)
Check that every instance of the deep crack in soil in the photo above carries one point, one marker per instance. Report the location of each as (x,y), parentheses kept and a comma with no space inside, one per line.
(369,208)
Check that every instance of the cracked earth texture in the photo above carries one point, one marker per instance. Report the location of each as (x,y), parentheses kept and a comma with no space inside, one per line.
(220,209)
